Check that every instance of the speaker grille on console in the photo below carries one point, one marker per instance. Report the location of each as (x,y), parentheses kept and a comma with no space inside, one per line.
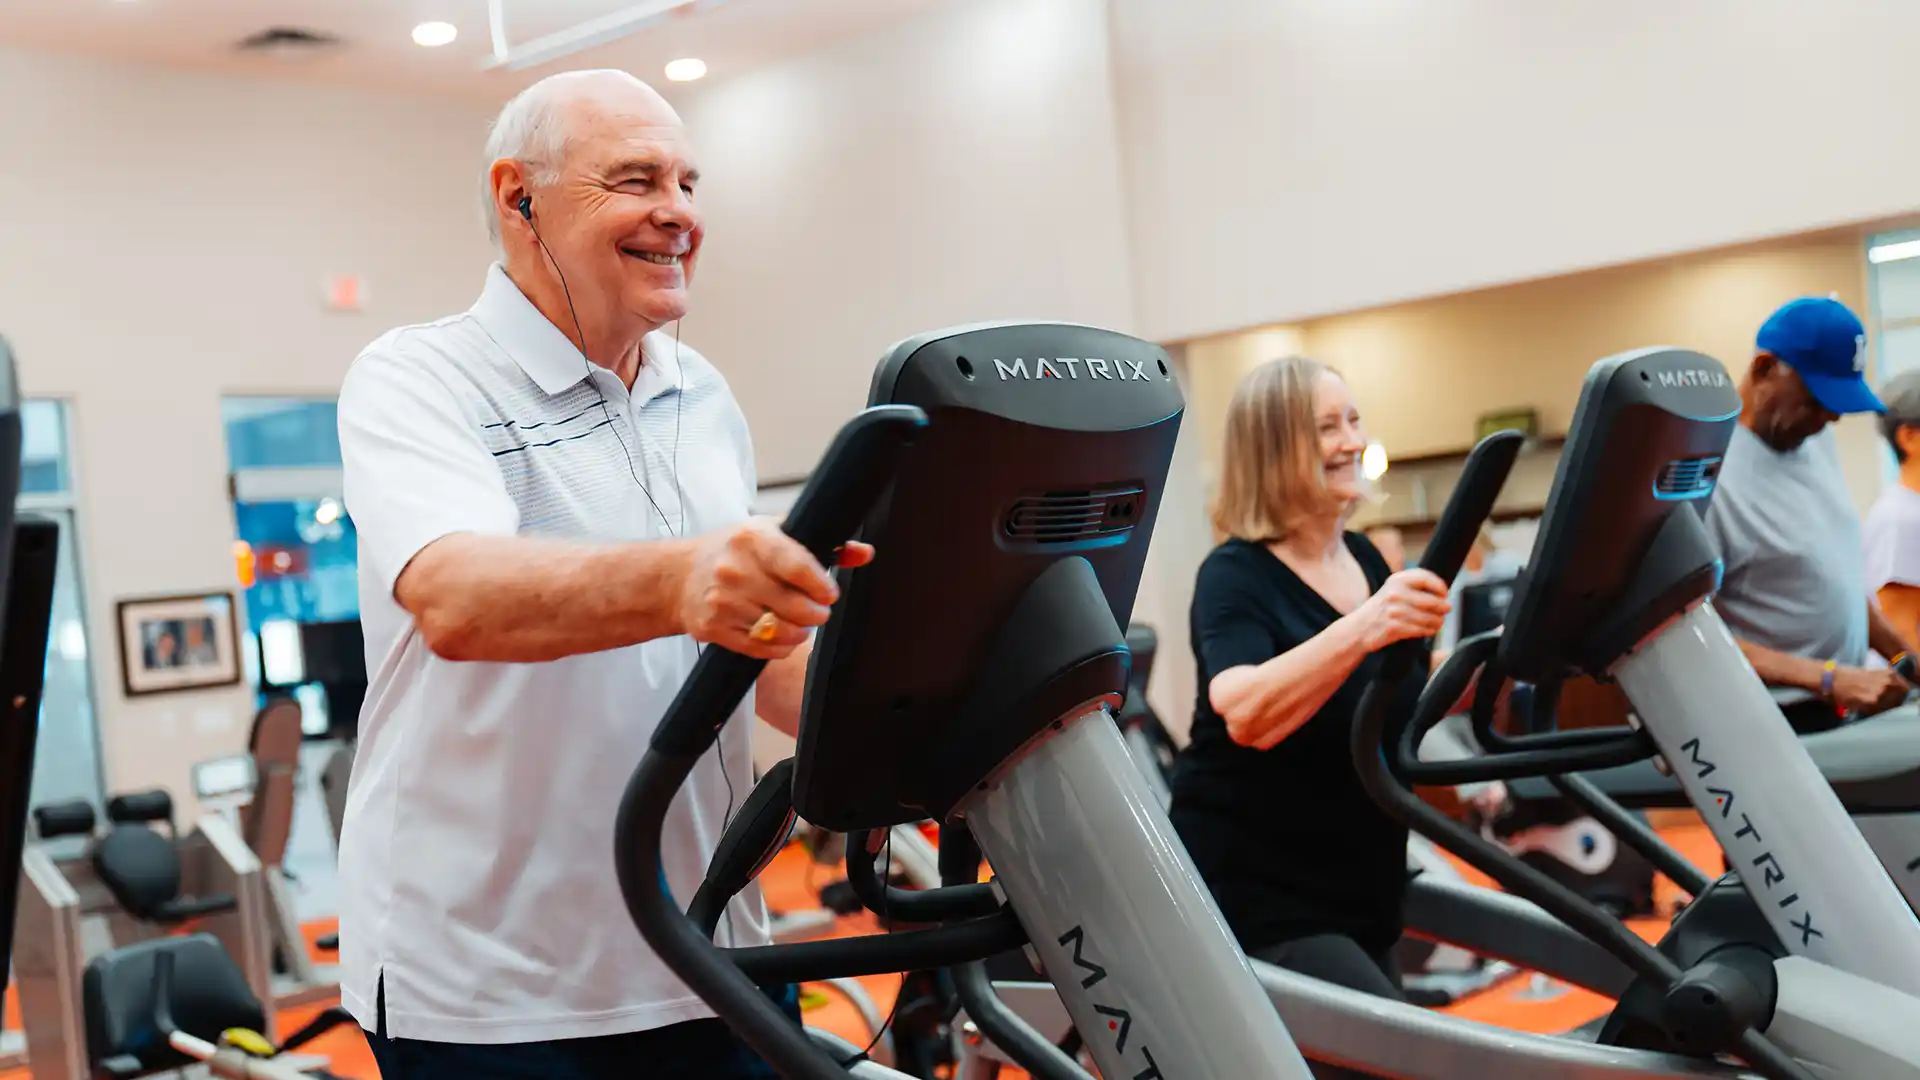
(1687,478)
(1060,517)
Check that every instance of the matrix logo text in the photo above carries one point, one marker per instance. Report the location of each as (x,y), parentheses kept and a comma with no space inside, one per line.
(1119,1020)
(1123,370)
(1692,377)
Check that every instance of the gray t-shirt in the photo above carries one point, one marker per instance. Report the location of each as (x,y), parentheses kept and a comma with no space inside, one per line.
(1893,538)
(1790,537)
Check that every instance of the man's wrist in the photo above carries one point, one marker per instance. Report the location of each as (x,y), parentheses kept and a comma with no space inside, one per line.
(1828,671)
(660,571)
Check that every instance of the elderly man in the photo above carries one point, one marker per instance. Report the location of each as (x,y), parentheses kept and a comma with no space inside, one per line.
(551,496)
(1793,594)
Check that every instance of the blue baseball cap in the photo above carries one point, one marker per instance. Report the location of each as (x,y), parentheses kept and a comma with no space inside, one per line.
(1826,346)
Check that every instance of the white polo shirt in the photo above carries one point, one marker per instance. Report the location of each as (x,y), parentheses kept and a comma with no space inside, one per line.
(476,857)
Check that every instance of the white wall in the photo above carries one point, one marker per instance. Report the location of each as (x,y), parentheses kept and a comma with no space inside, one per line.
(1297,157)
(165,242)
(955,168)
(1226,163)
(181,226)
(958,167)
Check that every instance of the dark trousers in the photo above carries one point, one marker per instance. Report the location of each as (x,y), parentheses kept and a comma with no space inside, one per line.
(694,1050)
(1337,959)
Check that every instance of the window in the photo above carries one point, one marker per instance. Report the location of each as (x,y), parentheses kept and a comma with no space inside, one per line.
(1893,286)
(295,538)
(281,432)
(67,764)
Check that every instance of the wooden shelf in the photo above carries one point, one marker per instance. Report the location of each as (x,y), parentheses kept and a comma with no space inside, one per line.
(1448,457)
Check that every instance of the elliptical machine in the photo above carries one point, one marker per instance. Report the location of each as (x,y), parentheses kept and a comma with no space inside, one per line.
(1807,940)
(1010,474)
(1071,831)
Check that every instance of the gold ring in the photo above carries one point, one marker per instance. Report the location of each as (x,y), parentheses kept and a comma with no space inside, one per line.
(765,627)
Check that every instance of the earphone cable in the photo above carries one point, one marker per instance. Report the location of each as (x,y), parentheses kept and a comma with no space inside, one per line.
(605,412)
(679,408)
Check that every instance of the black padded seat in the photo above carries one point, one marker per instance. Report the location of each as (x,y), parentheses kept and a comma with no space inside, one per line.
(141,868)
(141,807)
(72,818)
(202,994)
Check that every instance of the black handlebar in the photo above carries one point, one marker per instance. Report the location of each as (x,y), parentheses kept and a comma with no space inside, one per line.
(1453,535)
(753,838)
(1471,503)
(855,472)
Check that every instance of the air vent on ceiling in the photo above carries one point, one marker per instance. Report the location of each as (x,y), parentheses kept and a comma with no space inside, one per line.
(287,39)
(1061,517)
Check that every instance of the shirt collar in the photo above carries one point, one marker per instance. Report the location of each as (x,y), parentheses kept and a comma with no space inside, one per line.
(538,346)
(548,357)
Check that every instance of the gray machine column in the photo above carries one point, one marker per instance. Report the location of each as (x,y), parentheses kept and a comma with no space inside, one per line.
(1146,965)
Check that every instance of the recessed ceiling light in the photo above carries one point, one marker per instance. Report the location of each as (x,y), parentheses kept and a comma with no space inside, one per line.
(432,35)
(686,70)
(1907,249)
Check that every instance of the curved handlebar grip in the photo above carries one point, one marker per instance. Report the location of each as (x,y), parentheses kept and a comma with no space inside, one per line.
(855,471)
(852,476)
(1471,503)
(1467,509)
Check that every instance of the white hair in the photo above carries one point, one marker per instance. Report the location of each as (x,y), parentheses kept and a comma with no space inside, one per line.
(532,129)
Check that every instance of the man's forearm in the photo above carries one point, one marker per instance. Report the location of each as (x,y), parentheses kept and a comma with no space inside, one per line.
(1783,669)
(523,599)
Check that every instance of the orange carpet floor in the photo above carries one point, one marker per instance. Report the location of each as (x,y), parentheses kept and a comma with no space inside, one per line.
(1523,1003)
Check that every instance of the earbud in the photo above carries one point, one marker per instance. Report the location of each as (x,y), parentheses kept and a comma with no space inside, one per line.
(526,207)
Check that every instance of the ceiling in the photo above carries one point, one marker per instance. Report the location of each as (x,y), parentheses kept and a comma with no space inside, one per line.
(376,51)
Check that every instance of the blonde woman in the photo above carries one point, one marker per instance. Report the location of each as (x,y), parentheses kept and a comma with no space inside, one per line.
(1288,614)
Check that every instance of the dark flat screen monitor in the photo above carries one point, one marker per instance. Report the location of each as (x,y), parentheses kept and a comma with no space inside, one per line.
(335,655)
(1483,606)
(29,554)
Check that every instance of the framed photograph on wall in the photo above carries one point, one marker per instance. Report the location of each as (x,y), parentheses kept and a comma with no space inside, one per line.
(171,643)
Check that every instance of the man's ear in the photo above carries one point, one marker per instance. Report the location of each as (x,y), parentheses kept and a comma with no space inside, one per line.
(1764,365)
(509,180)
(1908,438)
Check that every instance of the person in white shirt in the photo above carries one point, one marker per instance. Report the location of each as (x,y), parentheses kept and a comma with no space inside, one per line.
(551,495)
(1891,536)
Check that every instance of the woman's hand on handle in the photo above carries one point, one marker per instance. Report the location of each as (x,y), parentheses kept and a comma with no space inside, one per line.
(1412,604)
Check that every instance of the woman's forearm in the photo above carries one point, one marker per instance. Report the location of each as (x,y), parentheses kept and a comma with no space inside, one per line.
(1264,703)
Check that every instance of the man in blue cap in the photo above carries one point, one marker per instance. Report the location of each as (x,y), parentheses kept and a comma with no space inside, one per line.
(1795,594)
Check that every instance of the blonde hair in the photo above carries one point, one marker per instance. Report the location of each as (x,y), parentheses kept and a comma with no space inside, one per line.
(1272,474)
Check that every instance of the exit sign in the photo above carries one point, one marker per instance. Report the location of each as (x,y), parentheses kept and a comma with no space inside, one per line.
(345,292)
